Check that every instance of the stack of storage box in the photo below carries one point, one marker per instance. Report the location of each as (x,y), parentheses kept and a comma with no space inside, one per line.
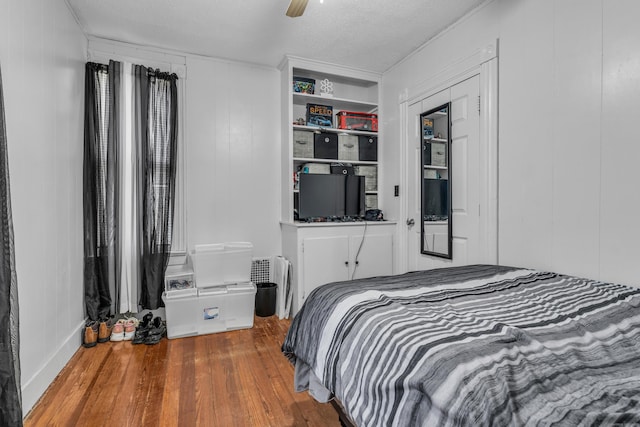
(224,297)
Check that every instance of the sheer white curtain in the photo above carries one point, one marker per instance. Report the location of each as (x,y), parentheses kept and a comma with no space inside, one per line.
(129,275)
(148,174)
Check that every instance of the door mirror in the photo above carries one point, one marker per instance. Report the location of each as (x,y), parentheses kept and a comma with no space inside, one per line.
(436,182)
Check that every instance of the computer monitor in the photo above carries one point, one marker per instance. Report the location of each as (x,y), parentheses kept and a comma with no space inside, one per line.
(331,196)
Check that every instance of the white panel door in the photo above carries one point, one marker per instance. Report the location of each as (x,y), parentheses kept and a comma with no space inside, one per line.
(375,257)
(465,165)
(325,260)
(465,176)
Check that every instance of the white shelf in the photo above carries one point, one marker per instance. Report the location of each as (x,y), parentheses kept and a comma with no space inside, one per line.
(444,168)
(314,160)
(353,90)
(437,115)
(435,139)
(337,103)
(366,192)
(334,130)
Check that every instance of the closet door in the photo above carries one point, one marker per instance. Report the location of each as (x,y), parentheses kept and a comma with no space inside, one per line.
(465,176)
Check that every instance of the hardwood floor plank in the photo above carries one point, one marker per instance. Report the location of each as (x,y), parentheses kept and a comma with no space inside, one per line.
(152,383)
(124,413)
(237,378)
(222,380)
(203,393)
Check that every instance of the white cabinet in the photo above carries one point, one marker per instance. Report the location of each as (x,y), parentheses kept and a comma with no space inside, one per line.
(325,252)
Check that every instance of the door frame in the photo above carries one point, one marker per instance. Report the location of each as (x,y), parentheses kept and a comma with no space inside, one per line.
(483,62)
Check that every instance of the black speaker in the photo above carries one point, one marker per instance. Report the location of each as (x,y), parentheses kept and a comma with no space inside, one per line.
(341,169)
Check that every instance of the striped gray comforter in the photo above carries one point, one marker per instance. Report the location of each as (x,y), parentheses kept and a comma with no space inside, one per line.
(473,346)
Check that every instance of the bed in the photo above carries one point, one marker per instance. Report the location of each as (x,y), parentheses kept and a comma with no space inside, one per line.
(477,345)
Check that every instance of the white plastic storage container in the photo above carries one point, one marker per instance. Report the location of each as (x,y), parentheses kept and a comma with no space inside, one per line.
(221,263)
(217,309)
(238,257)
(179,282)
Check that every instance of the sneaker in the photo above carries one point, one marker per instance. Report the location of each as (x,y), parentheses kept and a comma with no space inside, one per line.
(130,326)
(117,333)
(156,333)
(147,321)
(90,337)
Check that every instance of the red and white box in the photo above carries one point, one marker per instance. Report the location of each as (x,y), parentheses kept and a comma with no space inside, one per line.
(353,120)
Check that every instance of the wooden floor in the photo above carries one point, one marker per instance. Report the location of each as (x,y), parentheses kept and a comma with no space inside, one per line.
(237,378)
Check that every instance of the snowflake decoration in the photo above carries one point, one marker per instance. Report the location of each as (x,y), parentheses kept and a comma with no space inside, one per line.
(326,87)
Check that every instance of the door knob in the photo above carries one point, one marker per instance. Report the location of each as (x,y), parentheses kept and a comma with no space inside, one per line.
(411,222)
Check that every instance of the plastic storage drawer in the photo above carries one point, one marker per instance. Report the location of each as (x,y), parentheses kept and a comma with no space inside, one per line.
(218,309)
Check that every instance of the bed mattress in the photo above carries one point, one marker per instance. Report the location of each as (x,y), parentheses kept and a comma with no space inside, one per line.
(474,345)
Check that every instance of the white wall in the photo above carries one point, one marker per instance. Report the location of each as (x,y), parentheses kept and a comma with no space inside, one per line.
(231,143)
(42,55)
(569,100)
(233,154)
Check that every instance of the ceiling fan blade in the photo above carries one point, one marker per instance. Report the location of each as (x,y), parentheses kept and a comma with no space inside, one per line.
(296,8)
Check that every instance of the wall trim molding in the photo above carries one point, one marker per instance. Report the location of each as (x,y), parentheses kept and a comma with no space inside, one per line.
(482,61)
(458,70)
(33,388)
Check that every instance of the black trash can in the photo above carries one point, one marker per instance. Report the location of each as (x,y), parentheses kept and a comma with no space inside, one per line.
(266,299)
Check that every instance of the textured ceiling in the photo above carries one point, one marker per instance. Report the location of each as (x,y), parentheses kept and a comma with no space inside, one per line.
(367,34)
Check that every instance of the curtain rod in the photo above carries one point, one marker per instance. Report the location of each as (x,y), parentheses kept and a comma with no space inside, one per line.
(157,73)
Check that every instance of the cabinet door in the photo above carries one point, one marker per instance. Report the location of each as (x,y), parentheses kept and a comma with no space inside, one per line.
(325,260)
(375,257)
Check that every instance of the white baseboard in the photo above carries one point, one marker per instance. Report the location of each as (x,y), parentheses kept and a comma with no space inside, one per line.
(33,388)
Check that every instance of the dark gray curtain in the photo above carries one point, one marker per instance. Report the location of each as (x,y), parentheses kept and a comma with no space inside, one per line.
(156,134)
(10,394)
(102,257)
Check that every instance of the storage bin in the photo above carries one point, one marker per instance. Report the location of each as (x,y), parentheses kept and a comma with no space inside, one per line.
(208,264)
(217,309)
(371,177)
(348,147)
(371,201)
(238,257)
(325,145)
(220,263)
(302,144)
(438,154)
(368,148)
(179,281)
(431,174)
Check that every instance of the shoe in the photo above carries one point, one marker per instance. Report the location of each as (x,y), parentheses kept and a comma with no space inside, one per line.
(104,329)
(152,339)
(147,321)
(140,336)
(156,332)
(117,333)
(90,337)
(130,325)
(158,328)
